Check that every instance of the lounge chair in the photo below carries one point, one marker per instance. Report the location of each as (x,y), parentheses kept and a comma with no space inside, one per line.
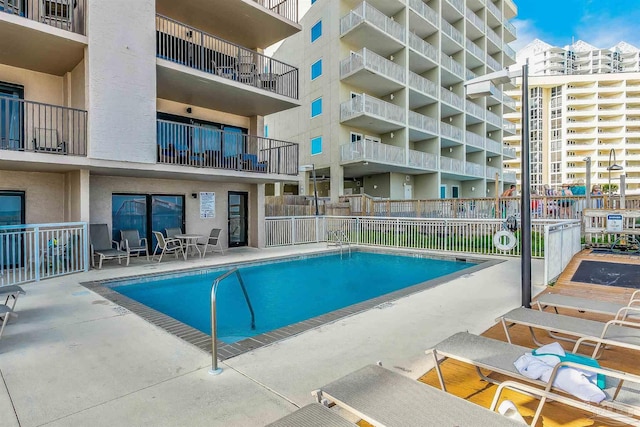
(171,233)
(385,398)
(131,242)
(213,241)
(5,313)
(585,304)
(499,356)
(103,246)
(167,246)
(312,415)
(12,292)
(616,333)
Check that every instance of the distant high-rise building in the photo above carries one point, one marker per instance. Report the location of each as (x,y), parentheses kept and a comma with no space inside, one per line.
(579,58)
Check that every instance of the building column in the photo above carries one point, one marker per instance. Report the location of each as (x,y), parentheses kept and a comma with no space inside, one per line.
(258,214)
(337,184)
(77,196)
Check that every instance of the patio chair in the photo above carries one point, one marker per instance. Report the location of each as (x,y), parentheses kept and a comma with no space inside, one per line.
(46,140)
(5,313)
(213,241)
(381,397)
(131,241)
(171,233)
(587,305)
(103,246)
(614,333)
(167,246)
(12,292)
(621,388)
(314,414)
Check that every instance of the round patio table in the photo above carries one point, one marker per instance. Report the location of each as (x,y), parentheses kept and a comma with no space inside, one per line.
(189,241)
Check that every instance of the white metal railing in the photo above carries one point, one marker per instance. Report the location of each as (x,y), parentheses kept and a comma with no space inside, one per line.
(422,47)
(423,85)
(508,101)
(448,164)
(420,159)
(509,151)
(509,176)
(474,19)
(495,65)
(474,49)
(452,65)
(507,126)
(561,243)
(474,236)
(422,122)
(492,172)
(451,98)
(64,14)
(452,32)
(425,11)
(493,146)
(508,50)
(494,119)
(451,132)
(474,169)
(474,109)
(493,37)
(32,252)
(470,74)
(365,12)
(367,104)
(494,9)
(373,152)
(510,27)
(474,139)
(371,61)
(458,5)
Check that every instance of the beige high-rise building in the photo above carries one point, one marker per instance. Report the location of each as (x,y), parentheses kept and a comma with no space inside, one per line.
(575,117)
(144,114)
(383,98)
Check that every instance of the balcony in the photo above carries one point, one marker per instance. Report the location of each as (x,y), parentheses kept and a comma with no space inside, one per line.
(474,169)
(42,35)
(421,126)
(509,177)
(494,10)
(427,57)
(370,151)
(197,146)
(368,70)
(510,33)
(42,128)
(452,32)
(474,110)
(493,64)
(367,26)
(367,112)
(422,91)
(474,140)
(201,69)
(451,133)
(257,23)
(451,165)
(422,160)
(509,152)
(452,99)
(452,66)
(427,14)
(491,172)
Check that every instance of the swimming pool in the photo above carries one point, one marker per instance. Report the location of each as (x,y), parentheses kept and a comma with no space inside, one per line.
(286,292)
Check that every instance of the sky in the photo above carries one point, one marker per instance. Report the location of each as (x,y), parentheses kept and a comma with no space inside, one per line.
(601,23)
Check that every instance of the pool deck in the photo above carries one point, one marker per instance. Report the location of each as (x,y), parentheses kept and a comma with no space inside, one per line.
(73,358)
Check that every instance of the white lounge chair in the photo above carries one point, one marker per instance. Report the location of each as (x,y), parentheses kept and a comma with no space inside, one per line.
(587,305)
(616,333)
(622,389)
(312,415)
(131,242)
(103,246)
(213,241)
(167,246)
(385,398)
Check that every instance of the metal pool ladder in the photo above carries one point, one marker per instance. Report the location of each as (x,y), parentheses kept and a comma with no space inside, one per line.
(214,332)
(340,238)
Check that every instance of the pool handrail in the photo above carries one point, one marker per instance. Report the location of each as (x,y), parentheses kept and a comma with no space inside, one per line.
(214,332)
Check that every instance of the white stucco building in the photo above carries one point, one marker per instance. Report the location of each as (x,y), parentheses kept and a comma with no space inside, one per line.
(124,112)
(383,98)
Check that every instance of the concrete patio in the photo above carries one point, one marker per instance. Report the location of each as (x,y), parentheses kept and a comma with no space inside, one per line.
(72,358)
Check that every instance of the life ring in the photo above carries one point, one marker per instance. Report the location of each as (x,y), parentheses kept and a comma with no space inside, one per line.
(511,240)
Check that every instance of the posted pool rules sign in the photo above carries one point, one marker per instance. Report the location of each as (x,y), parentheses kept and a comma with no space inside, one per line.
(614,223)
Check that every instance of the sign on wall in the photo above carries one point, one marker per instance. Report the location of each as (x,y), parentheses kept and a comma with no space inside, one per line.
(207,205)
(614,223)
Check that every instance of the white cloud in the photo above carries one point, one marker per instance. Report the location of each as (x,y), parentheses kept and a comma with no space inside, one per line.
(605,33)
(526,33)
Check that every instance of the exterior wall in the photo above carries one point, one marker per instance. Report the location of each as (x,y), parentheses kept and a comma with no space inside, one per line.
(179,109)
(122,81)
(38,87)
(76,86)
(44,194)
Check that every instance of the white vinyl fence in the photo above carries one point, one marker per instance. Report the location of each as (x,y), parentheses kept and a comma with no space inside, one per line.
(32,252)
(557,239)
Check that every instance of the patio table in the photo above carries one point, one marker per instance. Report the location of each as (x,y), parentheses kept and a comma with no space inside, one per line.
(189,241)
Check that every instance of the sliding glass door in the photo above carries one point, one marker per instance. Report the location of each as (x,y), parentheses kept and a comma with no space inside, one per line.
(238,219)
(11,117)
(11,213)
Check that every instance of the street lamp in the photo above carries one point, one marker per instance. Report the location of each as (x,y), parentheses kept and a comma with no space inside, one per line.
(312,167)
(484,86)
(612,167)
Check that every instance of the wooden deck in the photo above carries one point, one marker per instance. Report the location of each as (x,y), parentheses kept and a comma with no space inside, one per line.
(463,381)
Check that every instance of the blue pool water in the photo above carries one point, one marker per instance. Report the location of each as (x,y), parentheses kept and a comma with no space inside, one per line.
(286,292)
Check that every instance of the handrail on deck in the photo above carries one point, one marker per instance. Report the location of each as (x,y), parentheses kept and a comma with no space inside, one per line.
(214,333)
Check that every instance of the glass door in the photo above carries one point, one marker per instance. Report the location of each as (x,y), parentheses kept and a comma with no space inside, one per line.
(238,219)
(11,116)
(166,212)
(11,213)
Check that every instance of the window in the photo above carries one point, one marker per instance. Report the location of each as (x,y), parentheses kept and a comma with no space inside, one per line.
(316,31)
(266,131)
(316,69)
(11,117)
(316,107)
(313,1)
(316,145)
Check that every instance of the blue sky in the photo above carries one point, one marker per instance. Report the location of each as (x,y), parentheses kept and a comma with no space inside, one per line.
(602,23)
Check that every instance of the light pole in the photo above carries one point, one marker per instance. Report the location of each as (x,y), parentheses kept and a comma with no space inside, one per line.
(484,86)
(612,167)
(312,167)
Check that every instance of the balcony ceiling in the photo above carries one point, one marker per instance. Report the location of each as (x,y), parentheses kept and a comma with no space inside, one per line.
(359,168)
(182,84)
(243,22)
(372,123)
(39,47)
(374,83)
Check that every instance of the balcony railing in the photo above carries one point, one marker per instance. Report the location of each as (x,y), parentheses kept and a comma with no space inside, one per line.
(474,19)
(373,152)
(366,104)
(42,128)
(494,9)
(196,49)
(450,132)
(205,147)
(474,109)
(452,65)
(474,169)
(509,51)
(510,27)
(458,5)
(422,122)
(474,49)
(493,146)
(509,176)
(451,98)
(286,8)
(491,172)
(364,12)
(452,32)
(425,11)
(421,46)
(493,37)
(423,85)
(448,164)
(474,139)
(422,160)
(67,15)
(372,62)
